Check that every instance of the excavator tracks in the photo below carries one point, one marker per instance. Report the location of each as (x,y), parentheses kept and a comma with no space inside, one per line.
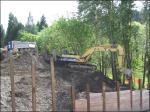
(75,66)
(82,66)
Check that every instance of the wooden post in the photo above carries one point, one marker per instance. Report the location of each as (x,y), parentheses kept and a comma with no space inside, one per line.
(118,95)
(33,86)
(88,96)
(131,99)
(123,79)
(140,87)
(104,97)
(53,83)
(11,71)
(73,98)
(149,94)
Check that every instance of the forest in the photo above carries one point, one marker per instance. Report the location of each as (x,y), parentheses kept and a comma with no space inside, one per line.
(96,23)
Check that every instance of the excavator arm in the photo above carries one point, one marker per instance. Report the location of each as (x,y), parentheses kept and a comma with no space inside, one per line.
(103,48)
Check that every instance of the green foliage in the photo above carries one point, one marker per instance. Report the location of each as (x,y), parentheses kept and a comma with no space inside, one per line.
(70,34)
(138,67)
(112,20)
(31,29)
(42,23)
(13,28)
(137,38)
(2,36)
(95,13)
(98,22)
(30,26)
(147,46)
(25,36)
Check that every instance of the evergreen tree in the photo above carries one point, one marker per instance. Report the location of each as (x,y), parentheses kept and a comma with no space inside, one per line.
(13,28)
(2,36)
(42,23)
(30,26)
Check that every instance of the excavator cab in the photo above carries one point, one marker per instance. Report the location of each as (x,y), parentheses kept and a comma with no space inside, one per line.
(68,56)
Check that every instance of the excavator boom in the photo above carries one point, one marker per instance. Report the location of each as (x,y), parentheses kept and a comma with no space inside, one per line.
(103,48)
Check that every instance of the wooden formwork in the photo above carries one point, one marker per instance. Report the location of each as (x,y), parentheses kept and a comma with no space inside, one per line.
(126,100)
(96,102)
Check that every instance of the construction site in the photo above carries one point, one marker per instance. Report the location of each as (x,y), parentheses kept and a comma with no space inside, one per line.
(75,56)
(32,82)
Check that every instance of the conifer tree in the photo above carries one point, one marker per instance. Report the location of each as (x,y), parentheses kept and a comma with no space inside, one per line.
(42,23)
(30,26)
(13,28)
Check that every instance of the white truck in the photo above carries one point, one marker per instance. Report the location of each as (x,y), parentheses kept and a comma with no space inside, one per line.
(18,46)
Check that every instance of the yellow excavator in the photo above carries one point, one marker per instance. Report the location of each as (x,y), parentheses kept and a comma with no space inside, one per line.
(81,61)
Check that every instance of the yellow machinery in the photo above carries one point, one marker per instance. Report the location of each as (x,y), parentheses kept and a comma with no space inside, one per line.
(81,60)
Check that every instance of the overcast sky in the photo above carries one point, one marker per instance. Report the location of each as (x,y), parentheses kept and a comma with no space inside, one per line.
(51,9)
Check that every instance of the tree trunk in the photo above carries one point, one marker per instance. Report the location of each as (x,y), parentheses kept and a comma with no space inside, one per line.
(144,70)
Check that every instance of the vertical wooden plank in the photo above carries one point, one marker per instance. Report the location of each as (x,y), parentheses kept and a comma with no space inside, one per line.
(53,84)
(140,87)
(104,96)
(33,86)
(73,98)
(11,71)
(118,95)
(88,96)
(149,94)
(131,95)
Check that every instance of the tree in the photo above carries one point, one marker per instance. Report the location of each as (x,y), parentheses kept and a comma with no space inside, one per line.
(24,36)
(2,36)
(103,16)
(70,34)
(147,46)
(13,28)
(42,23)
(125,13)
(30,26)
(112,22)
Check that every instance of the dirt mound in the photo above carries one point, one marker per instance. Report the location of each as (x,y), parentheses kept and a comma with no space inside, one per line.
(65,78)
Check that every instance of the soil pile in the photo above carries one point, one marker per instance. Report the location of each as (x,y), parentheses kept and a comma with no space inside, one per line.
(65,78)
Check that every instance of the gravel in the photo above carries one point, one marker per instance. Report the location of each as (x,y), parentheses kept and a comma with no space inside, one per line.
(65,78)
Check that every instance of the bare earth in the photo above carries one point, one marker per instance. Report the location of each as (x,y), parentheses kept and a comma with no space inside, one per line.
(65,78)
